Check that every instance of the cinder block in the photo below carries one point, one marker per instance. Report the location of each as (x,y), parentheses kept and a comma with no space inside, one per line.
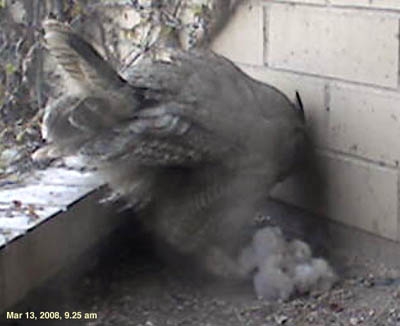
(386,4)
(364,122)
(381,4)
(320,2)
(356,120)
(242,40)
(338,43)
(352,3)
(355,193)
(311,91)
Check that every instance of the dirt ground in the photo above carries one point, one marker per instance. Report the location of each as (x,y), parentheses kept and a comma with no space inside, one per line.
(128,284)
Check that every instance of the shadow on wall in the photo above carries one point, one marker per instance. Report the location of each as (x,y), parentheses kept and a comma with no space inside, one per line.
(307,186)
(307,189)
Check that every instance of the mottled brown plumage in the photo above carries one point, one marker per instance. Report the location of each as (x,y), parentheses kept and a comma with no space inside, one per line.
(190,139)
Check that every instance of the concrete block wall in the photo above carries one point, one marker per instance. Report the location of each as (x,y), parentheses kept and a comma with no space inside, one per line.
(343,58)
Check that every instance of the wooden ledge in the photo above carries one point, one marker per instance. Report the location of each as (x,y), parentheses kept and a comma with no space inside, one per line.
(45,223)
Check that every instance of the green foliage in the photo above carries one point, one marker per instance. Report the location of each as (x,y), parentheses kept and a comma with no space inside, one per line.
(198,10)
(77,9)
(166,30)
(10,68)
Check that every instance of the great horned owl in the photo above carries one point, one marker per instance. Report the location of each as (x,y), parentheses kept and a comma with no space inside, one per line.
(190,140)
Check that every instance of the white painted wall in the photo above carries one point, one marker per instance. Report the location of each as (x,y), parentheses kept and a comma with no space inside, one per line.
(343,57)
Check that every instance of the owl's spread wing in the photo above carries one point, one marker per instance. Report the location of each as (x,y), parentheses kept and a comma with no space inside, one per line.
(145,122)
(157,137)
